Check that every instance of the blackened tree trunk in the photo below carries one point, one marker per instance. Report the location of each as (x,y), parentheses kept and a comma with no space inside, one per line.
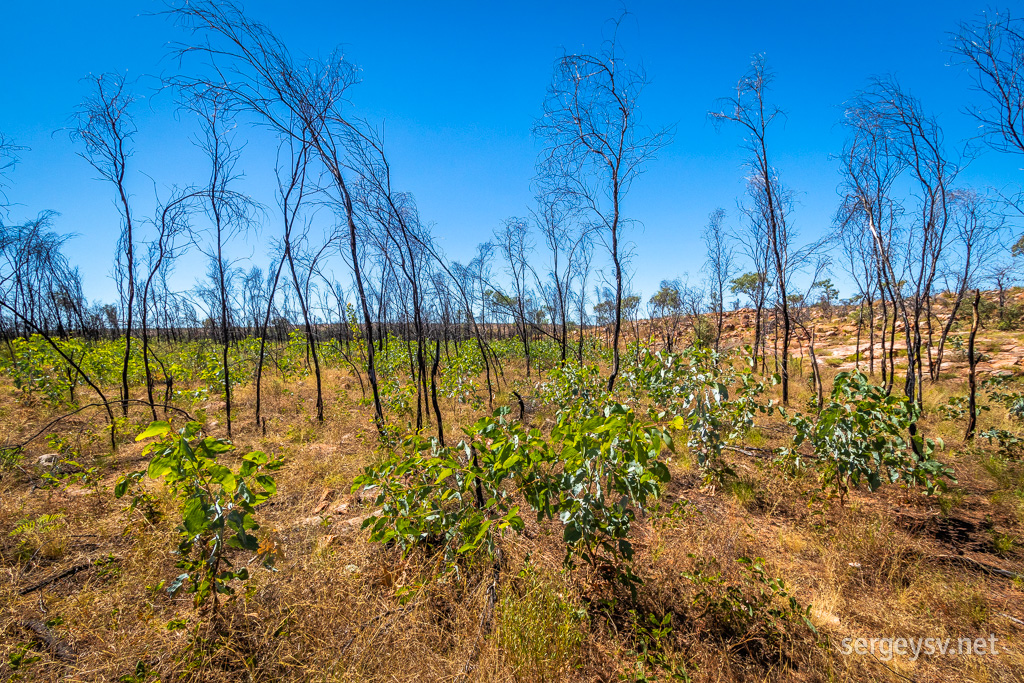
(972,404)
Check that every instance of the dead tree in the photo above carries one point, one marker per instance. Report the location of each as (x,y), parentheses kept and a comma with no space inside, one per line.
(597,145)
(858,260)
(229,213)
(253,297)
(750,110)
(513,242)
(1002,272)
(171,223)
(802,318)
(972,402)
(693,305)
(554,220)
(302,283)
(104,126)
(291,191)
(894,119)
(719,265)
(870,168)
(992,49)
(978,227)
(31,261)
(8,160)
(399,235)
(299,99)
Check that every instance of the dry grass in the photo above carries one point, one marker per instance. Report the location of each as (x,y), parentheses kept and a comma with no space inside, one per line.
(878,567)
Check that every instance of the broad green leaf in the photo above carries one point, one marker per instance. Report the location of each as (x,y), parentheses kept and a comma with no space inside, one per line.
(154,429)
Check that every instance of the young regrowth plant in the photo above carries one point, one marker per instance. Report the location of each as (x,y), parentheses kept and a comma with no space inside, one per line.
(218,505)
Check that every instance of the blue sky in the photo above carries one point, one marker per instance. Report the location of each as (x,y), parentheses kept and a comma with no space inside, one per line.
(459,85)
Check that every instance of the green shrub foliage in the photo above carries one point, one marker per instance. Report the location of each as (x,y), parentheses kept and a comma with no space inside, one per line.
(592,474)
(862,435)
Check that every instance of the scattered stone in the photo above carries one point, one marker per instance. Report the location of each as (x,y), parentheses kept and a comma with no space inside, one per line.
(325,500)
(824,617)
(1005,361)
(353,522)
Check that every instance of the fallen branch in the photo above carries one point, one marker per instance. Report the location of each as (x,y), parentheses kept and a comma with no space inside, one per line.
(58,647)
(752,452)
(1013,619)
(988,569)
(63,575)
(36,435)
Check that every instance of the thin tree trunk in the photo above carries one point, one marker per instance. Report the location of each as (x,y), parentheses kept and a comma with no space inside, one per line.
(371,371)
(433,391)
(972,406)
(860,324)
(931,345)
(310,340)
(263,339)
(618,287)
(817,372)
(871,338)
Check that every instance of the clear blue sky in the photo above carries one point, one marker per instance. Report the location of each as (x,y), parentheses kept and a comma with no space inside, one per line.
(459,86)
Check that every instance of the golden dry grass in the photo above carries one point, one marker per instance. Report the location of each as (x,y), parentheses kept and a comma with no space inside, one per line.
(884,565)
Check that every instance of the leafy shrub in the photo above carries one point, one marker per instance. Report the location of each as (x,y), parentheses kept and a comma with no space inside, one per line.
(10,457)
(694,387)
(36,368)
(592,474)
(999,390)
(859,435)
(955,408)
(1011,318)
(217,505)
(40,535)
(574,388)
(1010,445)
(703,332)
(459,378)
(650,640)
(1003,544)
